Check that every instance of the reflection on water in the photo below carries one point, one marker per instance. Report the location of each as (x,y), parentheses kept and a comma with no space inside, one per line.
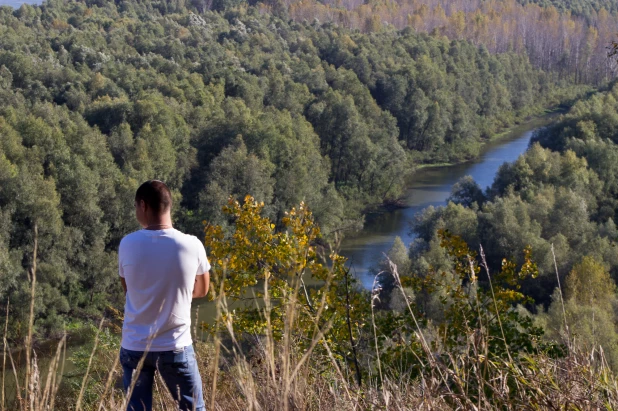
(429,186)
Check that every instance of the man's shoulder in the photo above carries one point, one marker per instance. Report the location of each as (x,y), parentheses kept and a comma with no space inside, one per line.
(189,238)
(131,238)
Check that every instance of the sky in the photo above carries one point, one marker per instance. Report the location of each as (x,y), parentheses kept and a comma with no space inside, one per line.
(17,3)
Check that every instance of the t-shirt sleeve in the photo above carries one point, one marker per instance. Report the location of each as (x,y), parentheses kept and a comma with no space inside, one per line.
(120,270)
(203,265)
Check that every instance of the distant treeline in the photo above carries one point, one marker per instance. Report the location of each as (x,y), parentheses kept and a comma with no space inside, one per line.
(586,8)
(571,44)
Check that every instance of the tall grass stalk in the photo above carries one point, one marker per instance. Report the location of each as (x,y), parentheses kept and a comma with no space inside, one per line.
(566,324)
(279,375)
(78,407)
(419,331)
(217,344)
(375,296)
(493,296)
(51,385)
(31,318)
(6,330)
(59,359)
(140,364)
(483,330)
(108,384)
(18,396)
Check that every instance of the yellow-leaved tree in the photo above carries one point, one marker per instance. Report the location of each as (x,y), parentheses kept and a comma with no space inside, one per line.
(295,290)
(588,310)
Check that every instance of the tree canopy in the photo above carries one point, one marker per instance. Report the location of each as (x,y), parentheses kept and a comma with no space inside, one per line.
(559,198)
(98,96)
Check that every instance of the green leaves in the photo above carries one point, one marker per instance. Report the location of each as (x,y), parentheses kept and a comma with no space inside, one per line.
(487,309)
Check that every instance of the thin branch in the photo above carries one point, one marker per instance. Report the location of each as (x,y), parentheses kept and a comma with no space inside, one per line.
(6,328)
(506,346)
(566,325)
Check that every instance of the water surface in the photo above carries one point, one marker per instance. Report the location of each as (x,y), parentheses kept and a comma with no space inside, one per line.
(430,187)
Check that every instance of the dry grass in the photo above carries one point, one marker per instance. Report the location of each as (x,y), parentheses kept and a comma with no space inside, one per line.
(277,375)
(581,381)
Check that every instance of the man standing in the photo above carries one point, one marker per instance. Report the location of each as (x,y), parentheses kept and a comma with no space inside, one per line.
(161,270)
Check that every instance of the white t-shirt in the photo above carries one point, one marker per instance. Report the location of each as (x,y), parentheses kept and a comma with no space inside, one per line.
(159,267)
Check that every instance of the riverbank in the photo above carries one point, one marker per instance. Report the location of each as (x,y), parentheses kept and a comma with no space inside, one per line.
(431,186)
(391,205)
(544,113)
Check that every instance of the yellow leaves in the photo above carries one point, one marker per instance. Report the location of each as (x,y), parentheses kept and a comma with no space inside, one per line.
(509,296)
(529,268)
(60,24)
(256,251)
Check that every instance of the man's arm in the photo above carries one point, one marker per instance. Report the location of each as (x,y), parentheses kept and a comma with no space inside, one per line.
(121,270)
(202,283)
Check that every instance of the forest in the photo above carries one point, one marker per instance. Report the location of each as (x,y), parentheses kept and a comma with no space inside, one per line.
(559,198)
(567,43)
(292,121)
(99,97)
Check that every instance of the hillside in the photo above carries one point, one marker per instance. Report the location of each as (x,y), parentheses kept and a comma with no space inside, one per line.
(279,126)
(99,97)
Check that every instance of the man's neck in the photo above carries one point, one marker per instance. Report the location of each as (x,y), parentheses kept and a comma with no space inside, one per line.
(162,223)
(158,226)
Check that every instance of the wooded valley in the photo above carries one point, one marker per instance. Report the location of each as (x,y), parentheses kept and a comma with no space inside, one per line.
(324,109)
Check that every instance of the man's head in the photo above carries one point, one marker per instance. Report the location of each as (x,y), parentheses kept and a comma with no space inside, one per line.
(153,202)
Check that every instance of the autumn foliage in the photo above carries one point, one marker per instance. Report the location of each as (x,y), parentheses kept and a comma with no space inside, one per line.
(279,283)
(572,45)
(301,289)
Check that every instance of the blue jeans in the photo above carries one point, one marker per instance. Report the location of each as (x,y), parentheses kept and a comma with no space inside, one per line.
(177,368)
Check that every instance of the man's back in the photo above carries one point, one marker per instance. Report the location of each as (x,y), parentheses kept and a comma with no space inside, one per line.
(159,267)
(161,271)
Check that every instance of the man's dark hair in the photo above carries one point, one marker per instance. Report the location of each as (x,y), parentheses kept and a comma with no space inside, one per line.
(156,195)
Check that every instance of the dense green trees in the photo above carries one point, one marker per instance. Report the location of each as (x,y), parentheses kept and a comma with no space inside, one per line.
(587,310)
(97,96)
(560,199)
(541,199)
(590,130)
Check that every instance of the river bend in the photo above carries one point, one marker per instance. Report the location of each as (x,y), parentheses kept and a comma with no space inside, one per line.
(430,187)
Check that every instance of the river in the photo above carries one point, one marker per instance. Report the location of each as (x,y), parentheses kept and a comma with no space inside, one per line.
(430,187)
